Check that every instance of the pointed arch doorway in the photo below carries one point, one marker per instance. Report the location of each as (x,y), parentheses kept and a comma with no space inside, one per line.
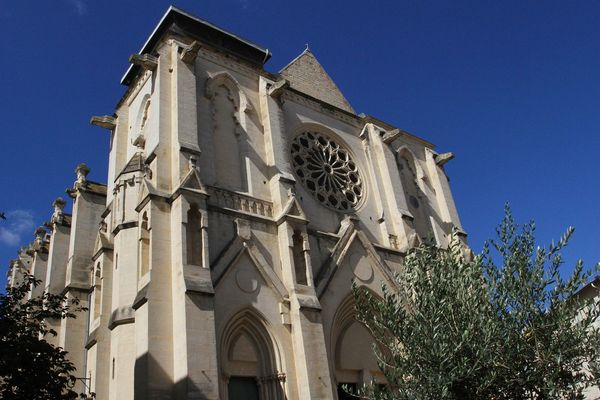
(250,360)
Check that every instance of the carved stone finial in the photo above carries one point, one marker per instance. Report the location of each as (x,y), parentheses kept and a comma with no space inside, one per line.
(146,61)
(243,228)
(81,171)
(40,238)
(189,53)
(348,221)
(59,203)
(104,121)
(140,142)
(441,159)
(57,215)
(147,171)
(40,233)
(193,163)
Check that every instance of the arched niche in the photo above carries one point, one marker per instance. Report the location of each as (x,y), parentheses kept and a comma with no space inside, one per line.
(97,292)
(354,361)
(250,361)
(194,235)
(138,130)
(144,245)
(411,177)
(226,79)
(143,113)
(229,105)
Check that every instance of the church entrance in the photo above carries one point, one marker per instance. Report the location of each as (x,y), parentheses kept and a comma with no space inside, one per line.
(249,360)
(242,388)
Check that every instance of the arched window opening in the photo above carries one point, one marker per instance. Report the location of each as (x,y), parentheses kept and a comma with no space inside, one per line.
(228,155)
(144,244)
(416,200)
(194,236)
(355,363)
(250,360)
(97,291)
(299,258)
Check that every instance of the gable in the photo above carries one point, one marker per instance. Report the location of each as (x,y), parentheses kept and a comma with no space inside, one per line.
(305,74)
(245,275)
(354,257)
(243,255)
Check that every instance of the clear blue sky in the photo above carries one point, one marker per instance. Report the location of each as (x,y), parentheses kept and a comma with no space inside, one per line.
(511,87)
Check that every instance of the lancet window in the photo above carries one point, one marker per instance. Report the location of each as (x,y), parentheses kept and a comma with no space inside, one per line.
(299,258)
(144,244)
(228,105)
(416,200)
(194,236)
(97,293)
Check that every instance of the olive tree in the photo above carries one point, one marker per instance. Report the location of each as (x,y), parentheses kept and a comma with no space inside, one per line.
(505,324)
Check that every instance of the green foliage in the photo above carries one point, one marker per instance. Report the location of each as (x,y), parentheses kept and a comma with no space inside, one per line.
(30,367)
(455,328)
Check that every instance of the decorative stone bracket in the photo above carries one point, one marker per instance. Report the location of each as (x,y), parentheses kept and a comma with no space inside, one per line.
(441,159)
(145,61)
(276,89)
(104,121)
(189,53)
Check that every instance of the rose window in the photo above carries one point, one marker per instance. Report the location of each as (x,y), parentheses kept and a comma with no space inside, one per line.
(327,171)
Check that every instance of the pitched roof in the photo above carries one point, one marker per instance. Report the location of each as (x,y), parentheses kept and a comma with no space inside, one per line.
(177,20)
(306,75)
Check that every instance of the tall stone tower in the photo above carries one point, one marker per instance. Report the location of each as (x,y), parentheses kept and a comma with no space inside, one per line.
(240,206)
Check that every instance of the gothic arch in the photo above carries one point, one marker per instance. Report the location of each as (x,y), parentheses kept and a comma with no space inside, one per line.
(229,105)
(250,355)
(417,202)
(144,245)
(193,235)
(224,78)
(354,362)
(141,118)
(407,153)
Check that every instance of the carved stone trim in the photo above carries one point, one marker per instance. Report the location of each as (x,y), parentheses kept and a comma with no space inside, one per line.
(121,316)
(125,225)
(314,104)
(141,298)
(228,63)
(227,199)
(92,338)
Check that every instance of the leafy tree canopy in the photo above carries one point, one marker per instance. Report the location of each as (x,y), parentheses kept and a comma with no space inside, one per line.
(30,367)
(502,325)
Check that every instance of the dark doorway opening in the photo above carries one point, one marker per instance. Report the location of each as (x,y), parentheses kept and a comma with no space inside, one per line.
(242,388)
(343,394)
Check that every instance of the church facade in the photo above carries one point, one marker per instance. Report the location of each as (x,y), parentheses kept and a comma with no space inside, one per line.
(240,206)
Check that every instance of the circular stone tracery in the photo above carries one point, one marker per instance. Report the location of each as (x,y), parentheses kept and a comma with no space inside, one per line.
(327,171)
